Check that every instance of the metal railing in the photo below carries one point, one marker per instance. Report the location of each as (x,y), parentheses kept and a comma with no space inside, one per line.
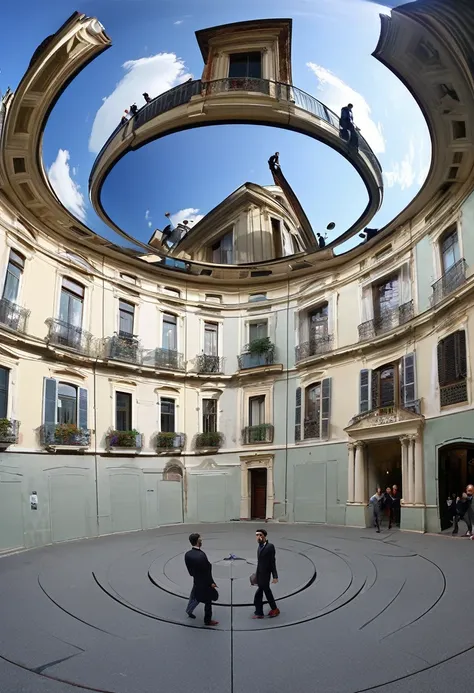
(389,410)
(455,393)
(65,434)
(261,433)
(312,428)
(65,335)
(319,344)
(386,321)
(280,91)
(209,364)
(9,430)
(13,316)
(169,359)
(123,348)
(451,280)
(206,441)
(124,439)
(171,442)
(249,359)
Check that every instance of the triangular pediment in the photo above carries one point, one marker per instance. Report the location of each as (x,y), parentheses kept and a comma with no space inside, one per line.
(388,416)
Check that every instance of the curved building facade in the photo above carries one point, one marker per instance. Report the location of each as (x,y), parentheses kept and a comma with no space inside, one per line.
(243,376)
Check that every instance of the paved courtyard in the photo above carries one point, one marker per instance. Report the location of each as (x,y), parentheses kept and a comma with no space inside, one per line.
(359,611)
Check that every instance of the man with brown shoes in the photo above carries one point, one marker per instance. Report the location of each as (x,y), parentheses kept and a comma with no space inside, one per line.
(266,568)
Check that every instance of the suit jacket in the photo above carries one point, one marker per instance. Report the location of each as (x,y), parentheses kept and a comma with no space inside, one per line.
(266,565)
(200,569)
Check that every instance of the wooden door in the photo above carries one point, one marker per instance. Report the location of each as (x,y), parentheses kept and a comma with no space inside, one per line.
(259,493)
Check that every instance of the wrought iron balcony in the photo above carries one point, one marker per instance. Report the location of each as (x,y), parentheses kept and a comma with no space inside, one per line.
(312,428)
(55,435)
(123,347)
(455,393)
(168,359)
(209,364)
(449,282)
(170,442)
(124,439)
(262,433)
(12,316)
(386,321)
(260,352)
(9,429)
(208,441)
(319,344)
(65,335)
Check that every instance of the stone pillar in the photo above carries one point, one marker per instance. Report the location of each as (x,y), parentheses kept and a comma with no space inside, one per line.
(405,478)
(360,485)
(244,492)
(419,485)
(350,473)
(270,494)
(411,468)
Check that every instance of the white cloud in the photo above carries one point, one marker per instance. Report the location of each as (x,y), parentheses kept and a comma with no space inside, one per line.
(190,213)
(147,214)
(413,168)
(149,224)
(335,93)
(180,21)
(68,191)
(155,75)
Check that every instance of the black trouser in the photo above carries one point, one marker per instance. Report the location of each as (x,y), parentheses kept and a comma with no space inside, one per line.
(466,518)
(207,612)
(258,601)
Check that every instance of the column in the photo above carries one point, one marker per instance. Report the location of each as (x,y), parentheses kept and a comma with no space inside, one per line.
(419,485)
(350,473)
(411,468)
(244,492)
(270,494)
(405,480)
(360,491)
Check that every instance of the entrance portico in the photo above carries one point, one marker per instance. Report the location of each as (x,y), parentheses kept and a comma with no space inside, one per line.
(376,427)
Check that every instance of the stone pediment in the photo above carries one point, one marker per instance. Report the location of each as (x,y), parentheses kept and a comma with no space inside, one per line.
(383,417)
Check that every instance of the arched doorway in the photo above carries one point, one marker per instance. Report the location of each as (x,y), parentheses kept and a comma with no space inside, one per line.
(455,472)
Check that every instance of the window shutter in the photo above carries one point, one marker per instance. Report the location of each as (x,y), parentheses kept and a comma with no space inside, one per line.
(298,415)
(405,284)
(325,407)
(408,380)
(365,390)
(441,368)
(367,304)
(82,416)
(460,354)
(50,397)
(4,377)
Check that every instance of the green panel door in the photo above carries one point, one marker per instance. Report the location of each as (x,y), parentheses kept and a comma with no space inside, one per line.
(310,492)
(125,501)
(11,516)
(170,502)
(211,494)
(69,507)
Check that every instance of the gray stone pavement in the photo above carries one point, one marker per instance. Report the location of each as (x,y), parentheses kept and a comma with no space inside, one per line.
(359,611)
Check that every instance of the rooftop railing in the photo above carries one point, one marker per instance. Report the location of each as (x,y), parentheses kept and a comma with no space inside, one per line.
(386,321)
(63,334)
(451,280)
(13,316)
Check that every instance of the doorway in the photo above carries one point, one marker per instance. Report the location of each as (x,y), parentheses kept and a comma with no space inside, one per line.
(385,468)
(455,472)
(258,486)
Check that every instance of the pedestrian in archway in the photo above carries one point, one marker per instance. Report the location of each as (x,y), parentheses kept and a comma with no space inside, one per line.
(396,504)
(388,505)
(376,502)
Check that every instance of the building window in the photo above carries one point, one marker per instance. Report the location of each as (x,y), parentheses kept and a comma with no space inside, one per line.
(172,291)
(253,298)
(222,251)
(277,237)
(213,298)
(318,321)
(209,416)
(126,318)
(67,404)
(386,297)
(123,411)
(170,332)
(385,386)
(211,331)
(128,278)
(245,65)
(452,369)
(4,380)
(71,302)
(167,415)
(317,409)
(257,410)
(258,330)
(449,247)
(15,267)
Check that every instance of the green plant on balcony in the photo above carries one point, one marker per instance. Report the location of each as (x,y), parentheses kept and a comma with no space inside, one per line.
(165,440)
(260,433)
(6,429)
(124,439)
(64,434)
(260,346)
(209,440)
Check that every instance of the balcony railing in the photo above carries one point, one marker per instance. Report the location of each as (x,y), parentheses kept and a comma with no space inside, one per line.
(388,410)
(170,442)
(65,434)
(449,282)
(65,335)
(122,347)
(455,393)
(12,316)
(124,439)
(209,364)
(319,344)
(261,433)
(9,429)
(169,359)
(260,352)
(386,321)
(209,441)
(312,428)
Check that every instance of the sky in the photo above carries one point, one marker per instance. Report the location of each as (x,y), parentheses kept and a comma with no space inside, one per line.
(189,173)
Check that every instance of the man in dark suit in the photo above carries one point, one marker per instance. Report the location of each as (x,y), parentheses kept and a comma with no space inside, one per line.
(266,568)
(204,587)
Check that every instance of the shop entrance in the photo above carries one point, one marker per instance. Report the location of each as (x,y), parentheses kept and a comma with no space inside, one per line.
(455,472)
(385,467)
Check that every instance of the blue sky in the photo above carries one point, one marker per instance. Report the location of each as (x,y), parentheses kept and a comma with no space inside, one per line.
(188,173)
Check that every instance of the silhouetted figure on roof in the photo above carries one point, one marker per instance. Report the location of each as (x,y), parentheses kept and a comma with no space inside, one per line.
(368,234)
(274,161)
(134,109)
(347,129)
(321,241)
(146,96)
(123,120)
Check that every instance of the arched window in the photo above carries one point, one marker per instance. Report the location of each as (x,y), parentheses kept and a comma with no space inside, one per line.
(67,404)
(449,247)
(385,386)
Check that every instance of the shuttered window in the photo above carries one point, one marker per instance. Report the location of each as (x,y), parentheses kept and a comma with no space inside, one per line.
(64,403)
(408,381)
(452,369)
(325,408)
(4,379)
(298,415)
(365,390)
(317,410)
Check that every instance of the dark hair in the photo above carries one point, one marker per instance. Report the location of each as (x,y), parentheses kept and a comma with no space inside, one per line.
(193,538)
(262,531)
